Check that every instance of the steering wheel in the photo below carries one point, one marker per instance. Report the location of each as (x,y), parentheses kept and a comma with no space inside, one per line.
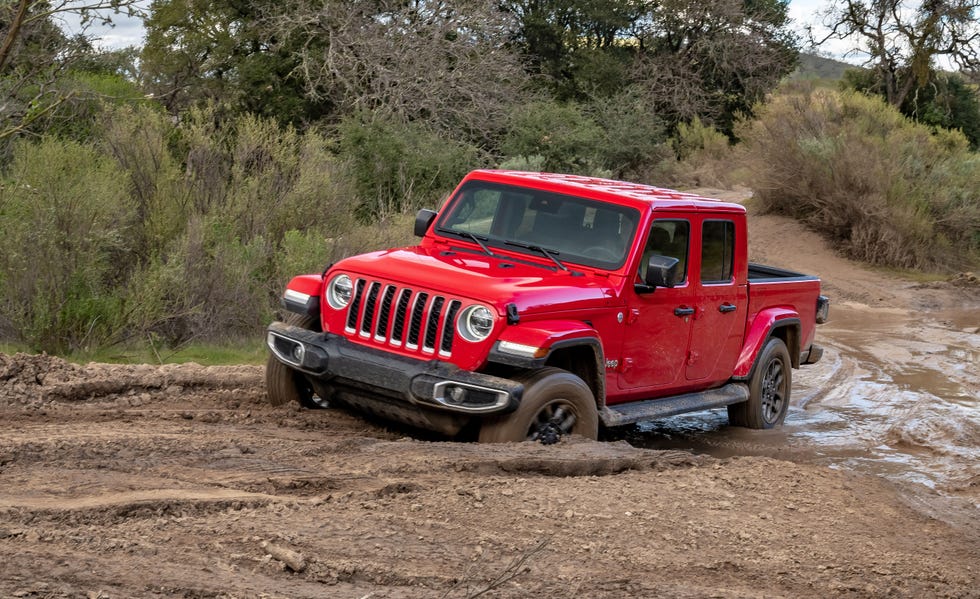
(601,252)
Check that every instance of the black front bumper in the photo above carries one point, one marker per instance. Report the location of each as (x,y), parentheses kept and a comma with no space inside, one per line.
(431,385)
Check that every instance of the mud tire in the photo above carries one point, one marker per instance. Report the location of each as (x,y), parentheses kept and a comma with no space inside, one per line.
(549,394)
(284,385)
(769,390)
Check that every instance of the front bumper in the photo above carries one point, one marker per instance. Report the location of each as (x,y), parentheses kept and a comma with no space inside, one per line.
(432,384)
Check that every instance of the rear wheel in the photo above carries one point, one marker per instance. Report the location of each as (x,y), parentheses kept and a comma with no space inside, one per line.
(283,384)
(556,403)
(769,390)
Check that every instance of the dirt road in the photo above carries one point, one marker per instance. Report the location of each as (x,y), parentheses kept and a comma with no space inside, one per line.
(136,481)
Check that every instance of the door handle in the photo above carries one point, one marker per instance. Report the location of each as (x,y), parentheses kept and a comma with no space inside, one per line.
(683,311)
(727,307)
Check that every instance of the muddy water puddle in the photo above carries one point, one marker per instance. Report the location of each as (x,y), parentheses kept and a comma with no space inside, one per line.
(895,395)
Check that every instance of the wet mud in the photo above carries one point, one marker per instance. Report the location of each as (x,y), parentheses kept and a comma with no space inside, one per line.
(187,484)
(896,395)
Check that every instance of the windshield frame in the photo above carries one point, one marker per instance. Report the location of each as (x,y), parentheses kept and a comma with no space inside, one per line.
(628,216)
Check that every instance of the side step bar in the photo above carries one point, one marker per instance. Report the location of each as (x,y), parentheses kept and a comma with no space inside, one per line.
(653,409)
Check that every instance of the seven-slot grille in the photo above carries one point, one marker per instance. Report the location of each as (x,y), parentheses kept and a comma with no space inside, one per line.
(400,316)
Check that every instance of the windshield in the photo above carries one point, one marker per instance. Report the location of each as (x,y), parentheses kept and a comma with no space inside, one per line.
(541,223)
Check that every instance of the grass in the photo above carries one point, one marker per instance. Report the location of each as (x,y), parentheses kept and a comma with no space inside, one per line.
(917,276)
(244,351)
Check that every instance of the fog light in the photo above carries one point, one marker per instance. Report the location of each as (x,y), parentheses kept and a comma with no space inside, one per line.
(299,352)
(455,395)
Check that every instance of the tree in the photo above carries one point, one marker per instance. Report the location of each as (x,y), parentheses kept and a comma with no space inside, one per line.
(904,42)
(197,52)
(690,58)
(713,60)
(442,62)
(946,100)
(36,56)
(577,47)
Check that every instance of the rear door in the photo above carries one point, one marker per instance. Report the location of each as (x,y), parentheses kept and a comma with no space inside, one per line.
(722,298)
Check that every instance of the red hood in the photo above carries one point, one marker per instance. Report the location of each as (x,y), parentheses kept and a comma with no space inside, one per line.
(495,280)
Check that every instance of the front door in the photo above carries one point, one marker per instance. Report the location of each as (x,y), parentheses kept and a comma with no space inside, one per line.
(658,324)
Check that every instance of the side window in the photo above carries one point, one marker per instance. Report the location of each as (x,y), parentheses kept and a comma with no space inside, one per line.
(668,238)
(717,251)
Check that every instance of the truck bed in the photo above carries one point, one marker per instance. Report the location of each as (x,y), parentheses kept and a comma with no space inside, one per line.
(771,287)
(760,273)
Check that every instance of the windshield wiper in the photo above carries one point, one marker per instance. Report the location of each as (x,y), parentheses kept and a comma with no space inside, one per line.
(548,252)
(477,239)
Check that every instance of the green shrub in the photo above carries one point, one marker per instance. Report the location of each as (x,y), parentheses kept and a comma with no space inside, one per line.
(696,138)
(633,138)
(210,284)
(82,99)
(946,101)
(533,164)
(396,166)
(702,155)
(138,138)
(882,188)
(562,134)
(64,213)
(174,233)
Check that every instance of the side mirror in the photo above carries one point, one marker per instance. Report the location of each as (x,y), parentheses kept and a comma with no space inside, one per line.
(423,220)
(662,271)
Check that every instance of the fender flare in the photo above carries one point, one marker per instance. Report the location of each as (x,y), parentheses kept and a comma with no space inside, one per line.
(302,295)
(530,345)
(763,326)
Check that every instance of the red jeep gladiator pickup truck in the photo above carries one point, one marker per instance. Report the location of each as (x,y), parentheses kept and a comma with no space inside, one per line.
(539,305)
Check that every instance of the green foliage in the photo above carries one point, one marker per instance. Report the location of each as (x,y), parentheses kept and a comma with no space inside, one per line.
(396,166)
(64,213)
(151,350)
(696,138)
(216,230)
(533,163)
(688,57)
(200,52)
(701,156)
(609,137)
(52,83)
(948,102)
(138,138)
(882,188)
(945,101)
(561,133)
(633,137)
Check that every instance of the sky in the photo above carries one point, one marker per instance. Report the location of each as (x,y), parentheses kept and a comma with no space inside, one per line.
(129,31)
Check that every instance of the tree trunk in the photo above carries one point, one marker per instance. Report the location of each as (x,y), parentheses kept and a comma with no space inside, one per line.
(12,32)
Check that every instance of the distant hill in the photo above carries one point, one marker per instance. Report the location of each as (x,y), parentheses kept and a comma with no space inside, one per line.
(817,67)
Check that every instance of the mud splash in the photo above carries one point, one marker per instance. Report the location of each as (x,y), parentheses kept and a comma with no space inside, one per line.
(896,395)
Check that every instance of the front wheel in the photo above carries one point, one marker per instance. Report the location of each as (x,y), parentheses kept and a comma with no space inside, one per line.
(555,403)
(283,384)
(769,390)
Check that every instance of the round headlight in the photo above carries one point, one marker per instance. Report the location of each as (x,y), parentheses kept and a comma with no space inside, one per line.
(475,323)
(339,292)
